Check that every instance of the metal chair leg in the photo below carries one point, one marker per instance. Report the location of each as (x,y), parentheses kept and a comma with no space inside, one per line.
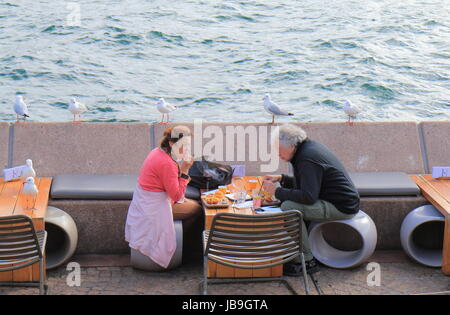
(41,277)
(305,275)
(316,284)
(205,275)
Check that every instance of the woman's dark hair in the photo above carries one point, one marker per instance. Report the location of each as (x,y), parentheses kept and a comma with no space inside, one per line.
(173,134)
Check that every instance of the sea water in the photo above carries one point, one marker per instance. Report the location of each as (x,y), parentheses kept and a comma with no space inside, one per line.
(215,60)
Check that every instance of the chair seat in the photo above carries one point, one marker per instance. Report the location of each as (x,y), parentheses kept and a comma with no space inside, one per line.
(340,259)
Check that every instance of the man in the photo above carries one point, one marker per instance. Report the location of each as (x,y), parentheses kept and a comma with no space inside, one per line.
(320,189)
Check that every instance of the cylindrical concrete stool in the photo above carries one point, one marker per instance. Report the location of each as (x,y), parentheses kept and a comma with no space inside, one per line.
(62,237)
(340,259)
(140,261)
(423,225)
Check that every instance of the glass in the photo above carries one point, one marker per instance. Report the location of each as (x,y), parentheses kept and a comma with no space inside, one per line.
(223,189)
(240,196)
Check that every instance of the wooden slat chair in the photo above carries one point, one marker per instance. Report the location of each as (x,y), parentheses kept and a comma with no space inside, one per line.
(254,242)
(22,246)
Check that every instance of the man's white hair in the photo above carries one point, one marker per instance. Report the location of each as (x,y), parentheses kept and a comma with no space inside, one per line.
(290,135)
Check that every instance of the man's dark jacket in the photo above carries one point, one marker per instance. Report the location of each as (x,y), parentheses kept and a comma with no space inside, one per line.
(318,174)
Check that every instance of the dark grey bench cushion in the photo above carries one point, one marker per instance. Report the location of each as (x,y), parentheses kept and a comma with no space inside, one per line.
(93,186)
(384,184)
(100,187)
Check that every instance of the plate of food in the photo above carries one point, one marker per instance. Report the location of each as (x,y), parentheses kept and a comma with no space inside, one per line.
(269,199)
(215,200)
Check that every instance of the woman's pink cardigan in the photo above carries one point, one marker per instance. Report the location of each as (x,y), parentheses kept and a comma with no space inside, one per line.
(160,173)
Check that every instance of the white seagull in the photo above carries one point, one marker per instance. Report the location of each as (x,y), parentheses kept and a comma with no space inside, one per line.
(30,190)
(28,170)
(273,109)
(351,111)
(164,108)
(20,107)
(76,108)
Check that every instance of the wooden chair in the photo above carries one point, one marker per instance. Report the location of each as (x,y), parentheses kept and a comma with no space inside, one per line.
(22,246)
(254,242)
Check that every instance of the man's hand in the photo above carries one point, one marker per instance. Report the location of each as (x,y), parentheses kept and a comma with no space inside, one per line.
(272,178)
(270,187)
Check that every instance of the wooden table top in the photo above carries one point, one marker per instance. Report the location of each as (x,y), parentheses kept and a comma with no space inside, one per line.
(13,202)
(436,191)
(210,213)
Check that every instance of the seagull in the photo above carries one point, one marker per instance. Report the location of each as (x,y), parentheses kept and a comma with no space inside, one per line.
(20,107)
(164,108)
(28,170)
(76,108)
(29,190)
(351,110)
(273,109)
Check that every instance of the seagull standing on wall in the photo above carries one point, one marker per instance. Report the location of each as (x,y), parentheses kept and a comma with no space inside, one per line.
(273,109)
(29,190)
(351,111)
(76,108)
(164,108)
(20,108)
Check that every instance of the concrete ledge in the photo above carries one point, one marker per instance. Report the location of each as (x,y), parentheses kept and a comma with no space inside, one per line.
(94,148)
(4,144)
(371,146)
(436,139)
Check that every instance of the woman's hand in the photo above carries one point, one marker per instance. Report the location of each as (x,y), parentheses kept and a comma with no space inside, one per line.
(186,164)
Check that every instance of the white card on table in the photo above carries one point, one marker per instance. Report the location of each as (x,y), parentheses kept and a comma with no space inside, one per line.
(238,170)
(13,173)
(441,172)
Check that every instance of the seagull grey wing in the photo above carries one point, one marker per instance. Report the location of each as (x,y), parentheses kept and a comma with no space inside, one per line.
(275,110)
(20,108)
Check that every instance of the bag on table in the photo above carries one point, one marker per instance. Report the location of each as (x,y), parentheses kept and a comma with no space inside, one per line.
(209,175)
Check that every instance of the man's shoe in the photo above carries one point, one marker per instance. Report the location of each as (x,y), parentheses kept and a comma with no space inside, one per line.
(296,270)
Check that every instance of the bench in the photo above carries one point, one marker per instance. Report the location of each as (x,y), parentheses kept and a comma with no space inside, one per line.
(96,199)
(58,148)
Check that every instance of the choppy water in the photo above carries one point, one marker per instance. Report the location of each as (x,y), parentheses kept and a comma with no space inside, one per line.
(216,59)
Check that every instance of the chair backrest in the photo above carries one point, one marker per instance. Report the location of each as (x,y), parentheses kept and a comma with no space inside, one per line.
(254,241)
(19,244)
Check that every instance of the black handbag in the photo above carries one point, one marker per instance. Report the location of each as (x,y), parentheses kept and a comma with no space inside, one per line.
(209,175)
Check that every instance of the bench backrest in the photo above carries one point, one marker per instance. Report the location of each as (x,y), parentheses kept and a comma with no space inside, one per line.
(436,137)
(374,146)
(234,144)
(94,148)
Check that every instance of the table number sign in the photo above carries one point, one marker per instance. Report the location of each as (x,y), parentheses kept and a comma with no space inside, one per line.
(441,172)
(13,173)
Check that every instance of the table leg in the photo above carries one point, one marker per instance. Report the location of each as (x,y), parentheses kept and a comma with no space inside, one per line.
(446,247)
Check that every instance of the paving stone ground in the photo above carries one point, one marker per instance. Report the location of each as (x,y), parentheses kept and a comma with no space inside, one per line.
(398,276)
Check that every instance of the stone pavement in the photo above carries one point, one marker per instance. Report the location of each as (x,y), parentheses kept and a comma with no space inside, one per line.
(111,274)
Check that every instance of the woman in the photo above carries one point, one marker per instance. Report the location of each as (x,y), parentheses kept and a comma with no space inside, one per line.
(159,198)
